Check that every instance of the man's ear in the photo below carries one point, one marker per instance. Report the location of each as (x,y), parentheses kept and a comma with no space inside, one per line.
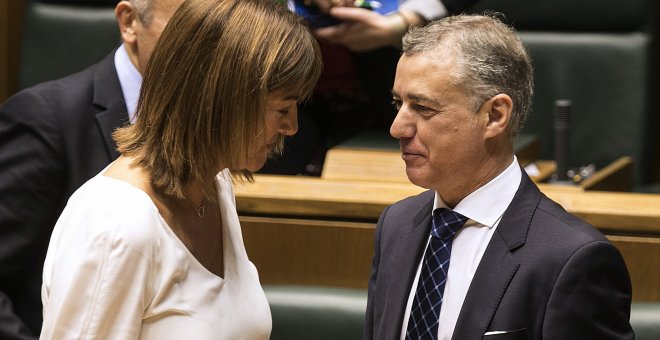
(498,108)
(126,17)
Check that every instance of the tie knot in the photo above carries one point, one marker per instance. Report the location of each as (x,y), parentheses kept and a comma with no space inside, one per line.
(446,223)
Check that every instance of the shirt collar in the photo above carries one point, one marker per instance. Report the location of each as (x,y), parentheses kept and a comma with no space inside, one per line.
(487,204)
(130,80)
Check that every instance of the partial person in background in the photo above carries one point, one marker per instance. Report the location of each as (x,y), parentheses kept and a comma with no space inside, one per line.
(151,247)
(483,254)
(54,137)
(353,95)
(363,30)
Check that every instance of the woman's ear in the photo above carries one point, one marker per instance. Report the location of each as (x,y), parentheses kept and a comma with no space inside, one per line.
(498,108)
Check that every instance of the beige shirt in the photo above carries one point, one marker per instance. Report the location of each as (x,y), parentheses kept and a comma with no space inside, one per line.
(115,270)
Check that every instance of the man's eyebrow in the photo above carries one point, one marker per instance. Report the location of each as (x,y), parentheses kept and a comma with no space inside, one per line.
(419,98)
(424,99)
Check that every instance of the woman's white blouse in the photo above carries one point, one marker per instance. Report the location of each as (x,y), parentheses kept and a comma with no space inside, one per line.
(115,270)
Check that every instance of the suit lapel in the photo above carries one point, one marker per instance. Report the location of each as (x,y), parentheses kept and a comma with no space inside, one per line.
(109,101)
(498,265)
(408,254)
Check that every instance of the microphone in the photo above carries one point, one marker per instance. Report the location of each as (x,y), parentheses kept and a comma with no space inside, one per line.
(562,137)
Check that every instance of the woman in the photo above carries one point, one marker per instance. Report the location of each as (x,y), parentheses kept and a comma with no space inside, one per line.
(151,248)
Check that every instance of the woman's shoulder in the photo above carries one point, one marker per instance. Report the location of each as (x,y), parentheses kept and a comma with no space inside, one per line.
(110,210)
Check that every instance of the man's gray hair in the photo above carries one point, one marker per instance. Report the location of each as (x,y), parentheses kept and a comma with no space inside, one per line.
(144,9)
(490,59)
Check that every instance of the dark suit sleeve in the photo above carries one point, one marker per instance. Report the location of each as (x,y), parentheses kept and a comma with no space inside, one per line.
(31,186)
(369,317)
(591,298)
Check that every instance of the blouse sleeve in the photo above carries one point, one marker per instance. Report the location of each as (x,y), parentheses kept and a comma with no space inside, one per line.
(97,273)
(428,9)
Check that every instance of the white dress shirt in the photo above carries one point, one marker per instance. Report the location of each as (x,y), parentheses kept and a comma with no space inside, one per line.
(130,80)
(484,208)
(115,270)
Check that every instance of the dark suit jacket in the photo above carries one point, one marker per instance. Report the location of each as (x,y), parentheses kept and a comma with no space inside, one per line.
(545,273)
(53,138)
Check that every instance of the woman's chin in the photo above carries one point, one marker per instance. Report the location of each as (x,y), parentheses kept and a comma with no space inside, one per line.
(258,161)
(255,168)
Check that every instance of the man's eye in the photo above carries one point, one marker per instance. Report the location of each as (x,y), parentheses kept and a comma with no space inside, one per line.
(397,104)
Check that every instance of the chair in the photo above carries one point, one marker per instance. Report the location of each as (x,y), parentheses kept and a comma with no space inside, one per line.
(645,320)
(63,37)
(313,312)
(601,54)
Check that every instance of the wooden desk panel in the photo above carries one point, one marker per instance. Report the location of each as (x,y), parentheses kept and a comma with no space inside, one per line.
(11,27)
(338,254)
(611,212)
(315,197)
(309,252)
(372,165)
(382,165)
(298,196)
(320,232)
(642,256)
(364,165)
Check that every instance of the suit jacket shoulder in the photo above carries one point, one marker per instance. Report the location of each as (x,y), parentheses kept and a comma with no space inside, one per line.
(547,274)
(53,137)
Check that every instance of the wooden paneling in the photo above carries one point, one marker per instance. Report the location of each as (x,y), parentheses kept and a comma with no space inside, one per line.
(621,213)
(302,230)
(384,163)
(11,24)
(628,213)
(617,176)
(364,165)
(642,256)
(313,197)
(381,165)
(338,254)
(309,252)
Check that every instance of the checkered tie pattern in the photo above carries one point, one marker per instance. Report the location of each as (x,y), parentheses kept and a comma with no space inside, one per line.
(425,311)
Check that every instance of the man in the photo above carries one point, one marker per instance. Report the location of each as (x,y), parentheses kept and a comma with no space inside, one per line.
(518,266)
(53,138)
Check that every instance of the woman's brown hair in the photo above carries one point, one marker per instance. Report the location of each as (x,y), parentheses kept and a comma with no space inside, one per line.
(203,97)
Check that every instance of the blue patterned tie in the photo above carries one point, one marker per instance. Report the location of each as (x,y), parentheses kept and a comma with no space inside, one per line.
(425,311)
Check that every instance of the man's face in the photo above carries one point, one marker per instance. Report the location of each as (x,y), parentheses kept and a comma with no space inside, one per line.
(147,35)
(441,138)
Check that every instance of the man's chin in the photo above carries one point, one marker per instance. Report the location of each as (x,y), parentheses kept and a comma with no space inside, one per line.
(417,177)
